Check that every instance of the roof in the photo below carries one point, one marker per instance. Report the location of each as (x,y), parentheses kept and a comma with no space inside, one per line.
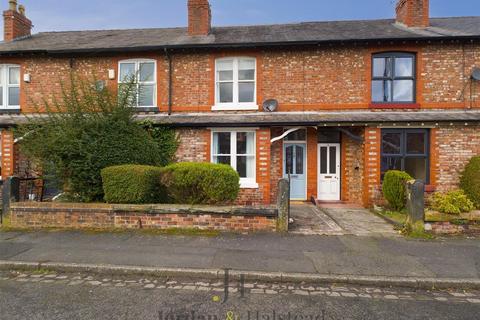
(308,118)
(238,36)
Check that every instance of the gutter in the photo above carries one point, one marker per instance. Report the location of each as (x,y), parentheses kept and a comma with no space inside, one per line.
(236,45)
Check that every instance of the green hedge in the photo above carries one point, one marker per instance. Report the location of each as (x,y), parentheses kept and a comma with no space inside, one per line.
(470,181)
(133,184)
(453,202)
(394,189)
(201,183)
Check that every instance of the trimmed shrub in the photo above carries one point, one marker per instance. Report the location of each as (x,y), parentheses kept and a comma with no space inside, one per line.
(453,202)
(470,181)
(201,183)
(133,184)
(394,189)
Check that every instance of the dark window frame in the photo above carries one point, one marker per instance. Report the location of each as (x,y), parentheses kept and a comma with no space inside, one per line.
(403,150)
(392,78)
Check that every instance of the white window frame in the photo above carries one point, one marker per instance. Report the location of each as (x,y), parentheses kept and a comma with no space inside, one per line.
(137,63)
(245,183)
(235,105)
(5,78)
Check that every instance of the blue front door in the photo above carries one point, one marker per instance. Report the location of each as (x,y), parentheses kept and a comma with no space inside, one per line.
(294,155)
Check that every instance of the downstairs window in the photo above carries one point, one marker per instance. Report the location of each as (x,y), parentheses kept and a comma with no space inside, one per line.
(237,149)
(406,150)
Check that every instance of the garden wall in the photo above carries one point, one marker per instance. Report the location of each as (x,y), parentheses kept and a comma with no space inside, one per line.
(105,216)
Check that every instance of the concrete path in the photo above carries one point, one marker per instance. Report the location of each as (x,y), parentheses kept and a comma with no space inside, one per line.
(311,220)
(333,255)
(360,222)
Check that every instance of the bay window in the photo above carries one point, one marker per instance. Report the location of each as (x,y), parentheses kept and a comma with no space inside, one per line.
(235,84)
(393,78)
(143,76)
(9,87)
(406,150)
(237,149)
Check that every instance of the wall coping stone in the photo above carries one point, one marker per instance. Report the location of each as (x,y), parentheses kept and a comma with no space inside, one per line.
(265,211)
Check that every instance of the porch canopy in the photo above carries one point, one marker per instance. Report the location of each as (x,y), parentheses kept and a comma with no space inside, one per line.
(346,118)
(308,118)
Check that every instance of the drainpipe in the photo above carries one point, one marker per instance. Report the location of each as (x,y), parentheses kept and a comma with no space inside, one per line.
(170,67)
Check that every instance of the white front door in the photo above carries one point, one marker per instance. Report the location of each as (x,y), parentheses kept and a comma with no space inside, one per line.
(329,171)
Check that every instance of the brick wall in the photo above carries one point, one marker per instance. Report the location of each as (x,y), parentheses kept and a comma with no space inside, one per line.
(371,173)
(276,163)
(104,216)
(456,145)
(194,145)
(7,140)
(320,78)
(353,167)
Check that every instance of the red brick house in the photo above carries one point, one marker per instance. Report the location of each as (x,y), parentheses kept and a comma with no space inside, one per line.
(355,98)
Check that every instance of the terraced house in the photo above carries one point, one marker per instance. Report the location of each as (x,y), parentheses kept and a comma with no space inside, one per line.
(332,104)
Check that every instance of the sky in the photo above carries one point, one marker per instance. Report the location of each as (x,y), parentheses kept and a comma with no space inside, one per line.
(57,15)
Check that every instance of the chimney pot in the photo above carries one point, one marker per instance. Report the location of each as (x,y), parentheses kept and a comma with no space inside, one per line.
(413,13)
(12,5)
(199,17)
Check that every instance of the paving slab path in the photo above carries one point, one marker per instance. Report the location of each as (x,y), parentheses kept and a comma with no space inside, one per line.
(312,220)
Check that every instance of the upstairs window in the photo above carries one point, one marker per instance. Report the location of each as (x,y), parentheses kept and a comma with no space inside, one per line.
(235,84)
(143,75)
(10,87)
(393,78)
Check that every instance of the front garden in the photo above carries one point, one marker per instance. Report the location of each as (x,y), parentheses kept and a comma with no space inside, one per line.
(455,211)
(113,171)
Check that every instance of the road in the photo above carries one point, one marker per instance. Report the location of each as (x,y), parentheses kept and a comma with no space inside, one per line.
(49,296)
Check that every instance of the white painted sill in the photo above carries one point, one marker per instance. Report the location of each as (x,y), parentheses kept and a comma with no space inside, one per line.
(248,185)
(229,107)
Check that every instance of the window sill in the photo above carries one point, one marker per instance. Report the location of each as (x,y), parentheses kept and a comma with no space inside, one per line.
(394,105)
(234,107)
(248,185)
(146,109)
(10,110)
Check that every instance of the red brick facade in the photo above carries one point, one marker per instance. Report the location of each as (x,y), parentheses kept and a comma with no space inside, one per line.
(334,77)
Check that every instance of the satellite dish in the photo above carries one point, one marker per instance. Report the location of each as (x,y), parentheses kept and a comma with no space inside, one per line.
(270,105)
(476,74)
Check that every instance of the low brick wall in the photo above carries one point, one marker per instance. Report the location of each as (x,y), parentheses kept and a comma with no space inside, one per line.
(105,216)
(452,228)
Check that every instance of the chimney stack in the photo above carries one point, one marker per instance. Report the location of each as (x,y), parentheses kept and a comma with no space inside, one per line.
(413,13)
(199,18)
(16,24)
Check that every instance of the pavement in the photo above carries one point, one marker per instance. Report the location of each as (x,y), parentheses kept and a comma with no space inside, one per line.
(48,296)
(347,257)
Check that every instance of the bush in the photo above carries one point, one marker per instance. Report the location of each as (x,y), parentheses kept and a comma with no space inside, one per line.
(201,183)
(470,181)
(453,202)
(132,184)
(87,130)
(394,189)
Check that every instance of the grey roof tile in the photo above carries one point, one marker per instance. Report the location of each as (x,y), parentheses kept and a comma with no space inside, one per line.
(307,32)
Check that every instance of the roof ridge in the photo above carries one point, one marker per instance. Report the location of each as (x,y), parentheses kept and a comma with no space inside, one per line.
(120,29)
(251,25)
